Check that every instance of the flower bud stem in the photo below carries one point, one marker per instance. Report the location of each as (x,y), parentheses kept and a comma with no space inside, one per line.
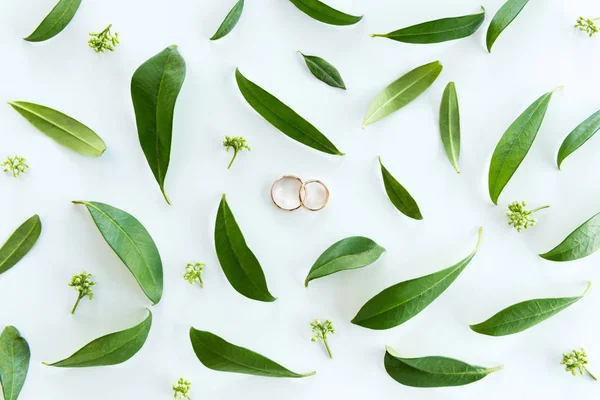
(592,375)
(331,356)
(539,208)
(76,304)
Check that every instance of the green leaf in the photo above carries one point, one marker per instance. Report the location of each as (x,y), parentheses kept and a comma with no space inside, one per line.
(399,303)
(239,263)
(435,371)
(507,13)
(578,137)
(132,243)
(14,362)
(323,13)
(112,349)
(582,242)
(450,125)
(399,196)
(515,144)
(440,30)
(61,128)
(230,21)
(402,91)
(282,117)
(20,243)
(154,89)
(525,315)
(324,71)
(219,355)
(350,253)
(55,21)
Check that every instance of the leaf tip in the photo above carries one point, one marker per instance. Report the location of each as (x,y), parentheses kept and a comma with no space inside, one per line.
(308,374)
(558,89)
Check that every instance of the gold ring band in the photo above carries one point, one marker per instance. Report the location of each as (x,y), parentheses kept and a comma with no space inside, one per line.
(300,190)
(303,189)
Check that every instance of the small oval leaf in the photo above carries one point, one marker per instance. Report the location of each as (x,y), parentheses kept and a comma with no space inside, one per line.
(133,245)
(399,196)
(323,13)
(55,21)
(505,15)
(324,71)
(20,243)
(219,355)
(582,242)
(112,349)
(524,315)
(230,21)
(450,125)
(350,253)
(61,128)
(578,137)
(14,362)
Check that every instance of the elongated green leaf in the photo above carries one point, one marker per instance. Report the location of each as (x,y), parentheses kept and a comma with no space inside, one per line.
(582,242)
(350,253)
(578,137)
(450,124)
(324,71)
(399,303)
(219,355)
(283,118)
(323,13)
(239,263)
(440,30)
(230,21)
(14,362)
(402,91)
(61,128)
(525,315)
(433,371)
(507,13)
(399,196)
(155,87)
(515,144)
(112,349)
(20,243)
(132,243)
(55,21)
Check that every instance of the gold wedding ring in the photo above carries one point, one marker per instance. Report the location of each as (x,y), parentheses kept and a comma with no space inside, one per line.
(303,200)
(284,177)
(302,193)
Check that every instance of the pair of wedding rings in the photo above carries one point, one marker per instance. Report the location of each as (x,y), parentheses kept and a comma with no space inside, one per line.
(302,194)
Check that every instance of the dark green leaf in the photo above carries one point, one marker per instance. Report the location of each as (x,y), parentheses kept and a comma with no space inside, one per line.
(350,253)
(399,196)
(450,124)
(581,243)
(428,372)
(154,90)
(14,362)
(20,243)
(61,128)
(525,315)
(230,21)
(132,243)
(440,30)
(112,349)
(56,21)
(239,263)
(507,13)
(324,71)
(217,354)
(402,91)
(323,13)
(578,137)
(399,303)
(283,118)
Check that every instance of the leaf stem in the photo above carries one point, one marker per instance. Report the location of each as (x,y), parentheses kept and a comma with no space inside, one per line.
(331,355)
(235,153)
(76,304)
(588,371)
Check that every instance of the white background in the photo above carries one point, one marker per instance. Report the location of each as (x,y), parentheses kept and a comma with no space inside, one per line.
(540,51)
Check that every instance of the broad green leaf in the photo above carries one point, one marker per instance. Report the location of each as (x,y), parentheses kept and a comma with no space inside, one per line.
(399,303)
(282,117)
(399,196)
(112,349)
(132,243)
(522,316)
(507,13)
(578,137)
(450,125)
(154,89)
(515,144)
(323,13)
(440,30)
(434,371)
(217,354)
(350,253)
(61,128)
(230,21)
(402,91)
(55,21)
(239,263)
(20,243)
(324,71)
(582,242)
(14,362)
